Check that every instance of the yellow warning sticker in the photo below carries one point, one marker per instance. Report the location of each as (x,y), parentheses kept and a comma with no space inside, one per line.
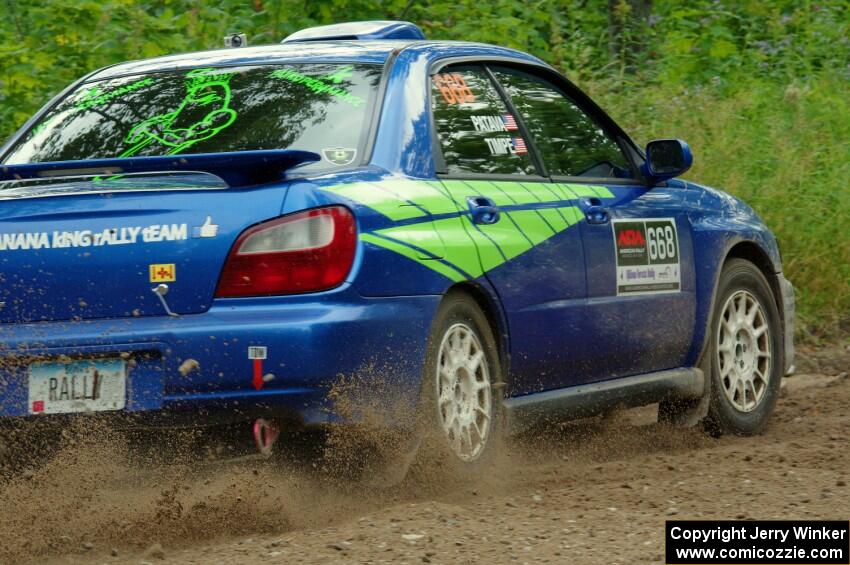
(166,272)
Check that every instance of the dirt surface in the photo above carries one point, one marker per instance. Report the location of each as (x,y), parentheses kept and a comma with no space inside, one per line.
(591,492)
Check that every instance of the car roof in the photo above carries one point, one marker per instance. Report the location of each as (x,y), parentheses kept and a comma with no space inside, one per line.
(350,51)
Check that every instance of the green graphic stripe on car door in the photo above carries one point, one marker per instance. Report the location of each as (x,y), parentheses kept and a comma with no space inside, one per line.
(504,193)
(550,193)
(532,225)
(506,236)
(543,194)
(461,251)
(582,190)
(460,191)
(453,246)
(564,190)
(489,253)
(502,241)
(519,194)
(404,199)
(433,264)
(554,218)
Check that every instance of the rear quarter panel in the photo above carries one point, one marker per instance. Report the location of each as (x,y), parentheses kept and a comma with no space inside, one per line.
(400,249)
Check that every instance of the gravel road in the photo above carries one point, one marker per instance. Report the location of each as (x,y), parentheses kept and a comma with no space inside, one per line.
(592,492)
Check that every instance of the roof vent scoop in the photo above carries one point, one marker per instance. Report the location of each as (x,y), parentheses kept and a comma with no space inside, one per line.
(358,31)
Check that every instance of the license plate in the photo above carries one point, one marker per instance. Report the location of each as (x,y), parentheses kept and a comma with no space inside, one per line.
(79,386)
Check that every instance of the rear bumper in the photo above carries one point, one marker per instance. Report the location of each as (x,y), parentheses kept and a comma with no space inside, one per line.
(312,342)
(789,315)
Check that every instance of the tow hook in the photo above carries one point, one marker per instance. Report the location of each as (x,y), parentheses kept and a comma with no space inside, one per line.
(161,290)
(265,436)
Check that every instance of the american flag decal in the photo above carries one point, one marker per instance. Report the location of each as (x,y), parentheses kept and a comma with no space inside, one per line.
(510,122)
(519,145)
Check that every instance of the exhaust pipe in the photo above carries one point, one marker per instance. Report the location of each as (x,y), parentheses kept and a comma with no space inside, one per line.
(265,436)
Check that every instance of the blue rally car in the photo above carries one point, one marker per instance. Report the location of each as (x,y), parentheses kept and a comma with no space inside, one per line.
(223,236)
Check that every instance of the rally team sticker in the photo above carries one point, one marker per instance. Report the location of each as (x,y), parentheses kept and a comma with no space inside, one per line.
(647,253)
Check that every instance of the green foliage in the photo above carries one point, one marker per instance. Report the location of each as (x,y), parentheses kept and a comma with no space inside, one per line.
(759,89)
(786,152)
(56,41)
(780,39)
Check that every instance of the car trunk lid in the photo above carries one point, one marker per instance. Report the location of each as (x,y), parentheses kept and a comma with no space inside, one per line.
(86,247)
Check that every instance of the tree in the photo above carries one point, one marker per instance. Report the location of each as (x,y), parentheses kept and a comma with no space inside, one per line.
(628,32)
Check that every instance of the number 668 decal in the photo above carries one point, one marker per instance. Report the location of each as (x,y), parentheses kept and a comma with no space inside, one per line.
(647,254)
(453,88)
(661,242)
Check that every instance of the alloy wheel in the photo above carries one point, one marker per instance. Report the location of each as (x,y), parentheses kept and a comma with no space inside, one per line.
(464,397)
(743,351)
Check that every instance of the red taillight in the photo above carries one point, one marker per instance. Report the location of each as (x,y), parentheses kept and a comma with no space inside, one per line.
(305,252)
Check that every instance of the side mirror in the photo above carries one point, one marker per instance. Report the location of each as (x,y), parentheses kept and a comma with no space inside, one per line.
(667,158)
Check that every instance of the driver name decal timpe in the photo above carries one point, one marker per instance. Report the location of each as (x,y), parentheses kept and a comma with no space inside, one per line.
(647,255)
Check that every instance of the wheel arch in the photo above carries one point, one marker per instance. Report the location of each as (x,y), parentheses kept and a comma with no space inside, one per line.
(490,306)
(751,251)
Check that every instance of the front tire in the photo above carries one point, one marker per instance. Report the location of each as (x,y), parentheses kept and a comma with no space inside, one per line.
(746,351)
(461,417)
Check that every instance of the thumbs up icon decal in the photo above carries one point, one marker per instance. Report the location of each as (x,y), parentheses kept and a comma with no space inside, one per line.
(208,229)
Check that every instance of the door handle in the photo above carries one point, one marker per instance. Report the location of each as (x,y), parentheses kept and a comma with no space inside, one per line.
(483,210)
(594,211)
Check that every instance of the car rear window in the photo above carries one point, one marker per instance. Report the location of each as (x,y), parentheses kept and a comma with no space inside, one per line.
(319,107)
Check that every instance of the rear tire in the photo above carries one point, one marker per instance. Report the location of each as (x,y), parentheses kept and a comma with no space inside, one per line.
(461,418)
(745,351)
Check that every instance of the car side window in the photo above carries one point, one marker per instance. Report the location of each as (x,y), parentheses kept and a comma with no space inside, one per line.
(570,142)
(476,131)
